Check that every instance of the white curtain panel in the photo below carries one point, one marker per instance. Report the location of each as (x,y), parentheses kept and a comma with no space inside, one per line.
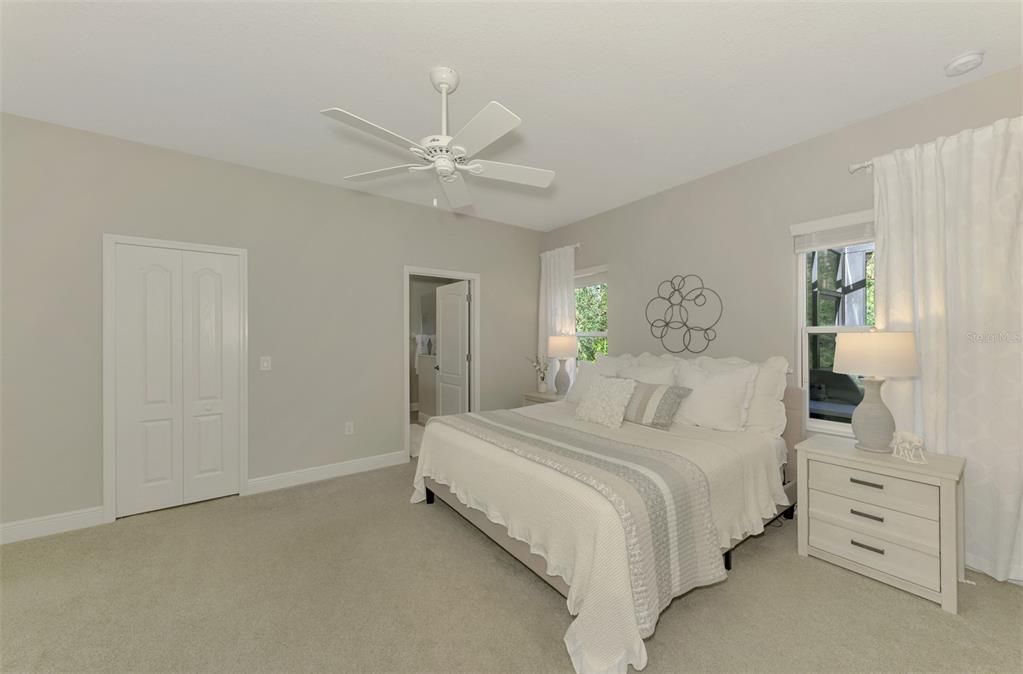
(557,302)
(949,240)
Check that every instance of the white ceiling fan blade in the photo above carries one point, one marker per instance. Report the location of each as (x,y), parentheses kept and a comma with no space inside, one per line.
(489,124)
(456,192)
(382,173)
(513,173)
(361,124)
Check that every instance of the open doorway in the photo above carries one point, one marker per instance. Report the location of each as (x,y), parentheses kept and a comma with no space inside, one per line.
(439,348)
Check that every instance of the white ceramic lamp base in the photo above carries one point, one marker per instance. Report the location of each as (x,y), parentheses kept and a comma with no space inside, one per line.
(562,381)
(872,421)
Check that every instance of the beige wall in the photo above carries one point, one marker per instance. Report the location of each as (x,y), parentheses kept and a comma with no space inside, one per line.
(325,301)
(325,275)
(731,227)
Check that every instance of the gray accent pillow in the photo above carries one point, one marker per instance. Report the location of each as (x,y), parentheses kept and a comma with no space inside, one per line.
(655,405)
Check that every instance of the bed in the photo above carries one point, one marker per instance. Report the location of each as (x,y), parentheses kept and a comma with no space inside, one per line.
(573,537)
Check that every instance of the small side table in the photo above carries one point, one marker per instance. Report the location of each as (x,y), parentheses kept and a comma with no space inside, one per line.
(534,398)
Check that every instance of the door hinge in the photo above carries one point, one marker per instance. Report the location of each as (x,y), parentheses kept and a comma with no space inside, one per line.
(468,357)
(468,297)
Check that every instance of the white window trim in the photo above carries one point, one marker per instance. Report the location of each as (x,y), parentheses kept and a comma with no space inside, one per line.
(844,220)
(583,272)
(803,330)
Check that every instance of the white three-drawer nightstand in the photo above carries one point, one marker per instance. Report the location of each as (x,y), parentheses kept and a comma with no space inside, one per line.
(894,521)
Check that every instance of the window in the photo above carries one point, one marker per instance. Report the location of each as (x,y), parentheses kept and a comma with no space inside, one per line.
(838,284)
(835,281)
(591,311)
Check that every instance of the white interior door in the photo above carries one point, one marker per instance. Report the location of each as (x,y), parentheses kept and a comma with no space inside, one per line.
(211,358)
(148,378)
(453,348)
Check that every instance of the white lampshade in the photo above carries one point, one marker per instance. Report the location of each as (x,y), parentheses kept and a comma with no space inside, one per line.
(562,346)
(876,354)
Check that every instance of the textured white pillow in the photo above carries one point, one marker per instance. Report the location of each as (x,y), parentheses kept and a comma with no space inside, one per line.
(766,409)
(605,401)
(662,374)
(720,399)
(588,371)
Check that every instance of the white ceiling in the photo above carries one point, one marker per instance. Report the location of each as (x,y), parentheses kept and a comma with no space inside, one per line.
(622,100)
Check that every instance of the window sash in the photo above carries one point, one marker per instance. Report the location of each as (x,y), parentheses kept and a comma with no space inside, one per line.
(803,331)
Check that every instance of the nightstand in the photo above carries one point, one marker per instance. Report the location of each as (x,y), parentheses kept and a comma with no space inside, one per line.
(534,398)
(898,522)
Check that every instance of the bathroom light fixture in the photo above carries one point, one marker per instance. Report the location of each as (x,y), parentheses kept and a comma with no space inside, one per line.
(964,63)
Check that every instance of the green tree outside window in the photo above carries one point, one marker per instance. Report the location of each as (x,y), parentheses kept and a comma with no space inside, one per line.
(591,320)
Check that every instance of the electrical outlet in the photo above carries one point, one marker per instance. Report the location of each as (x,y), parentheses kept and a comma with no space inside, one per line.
(264,363)
(349,428)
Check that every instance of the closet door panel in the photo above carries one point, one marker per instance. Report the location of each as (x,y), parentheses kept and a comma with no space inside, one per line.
(148,380)
(211,374)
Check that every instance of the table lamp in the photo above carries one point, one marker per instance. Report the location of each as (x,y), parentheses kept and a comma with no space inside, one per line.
(875,355)
(562,347)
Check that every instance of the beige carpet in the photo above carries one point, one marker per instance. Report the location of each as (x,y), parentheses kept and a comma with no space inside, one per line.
(346,575)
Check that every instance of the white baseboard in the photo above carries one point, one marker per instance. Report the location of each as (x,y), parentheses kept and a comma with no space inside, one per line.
(47,525)
(331,470)
(35,527)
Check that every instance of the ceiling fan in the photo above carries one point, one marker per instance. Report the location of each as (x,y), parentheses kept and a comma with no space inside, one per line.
(451,156)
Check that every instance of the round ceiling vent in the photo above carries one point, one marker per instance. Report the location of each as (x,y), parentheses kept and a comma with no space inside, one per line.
(964,63)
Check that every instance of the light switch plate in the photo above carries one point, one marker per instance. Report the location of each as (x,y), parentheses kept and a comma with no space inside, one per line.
(264,363)
(349,428)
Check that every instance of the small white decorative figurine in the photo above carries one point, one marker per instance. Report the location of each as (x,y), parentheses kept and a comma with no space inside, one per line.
(908,447)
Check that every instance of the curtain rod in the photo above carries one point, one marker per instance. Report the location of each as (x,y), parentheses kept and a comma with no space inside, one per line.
(866,165)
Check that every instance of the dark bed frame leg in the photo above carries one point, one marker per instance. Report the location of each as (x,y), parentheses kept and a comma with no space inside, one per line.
(728,560)
(429,496)
(789,512)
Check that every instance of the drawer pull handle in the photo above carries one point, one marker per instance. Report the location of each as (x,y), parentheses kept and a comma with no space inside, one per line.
(875,485)
(879,551)
(858,513)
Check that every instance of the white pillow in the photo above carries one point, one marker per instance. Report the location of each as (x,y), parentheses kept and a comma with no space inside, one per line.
(766,409)
(605,401)
(661,375)
(610,366)
(650,360)
(586,373)
(720,399)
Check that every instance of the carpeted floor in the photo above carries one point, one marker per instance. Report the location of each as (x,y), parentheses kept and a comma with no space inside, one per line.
(346,575)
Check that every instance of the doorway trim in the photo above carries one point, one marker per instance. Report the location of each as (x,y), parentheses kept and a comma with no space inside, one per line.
(474,337)
(110,243)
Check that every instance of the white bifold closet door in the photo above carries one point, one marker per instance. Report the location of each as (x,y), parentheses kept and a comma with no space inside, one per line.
(178,349)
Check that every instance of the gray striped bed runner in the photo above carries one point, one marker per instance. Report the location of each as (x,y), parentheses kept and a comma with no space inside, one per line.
(663,500)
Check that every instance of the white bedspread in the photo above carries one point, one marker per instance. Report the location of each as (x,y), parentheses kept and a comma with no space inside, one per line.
(577,530)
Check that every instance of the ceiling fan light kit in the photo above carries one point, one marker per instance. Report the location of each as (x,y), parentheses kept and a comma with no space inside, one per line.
(451,156)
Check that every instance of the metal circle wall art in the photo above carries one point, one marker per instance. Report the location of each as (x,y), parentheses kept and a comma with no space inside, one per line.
(684,313)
